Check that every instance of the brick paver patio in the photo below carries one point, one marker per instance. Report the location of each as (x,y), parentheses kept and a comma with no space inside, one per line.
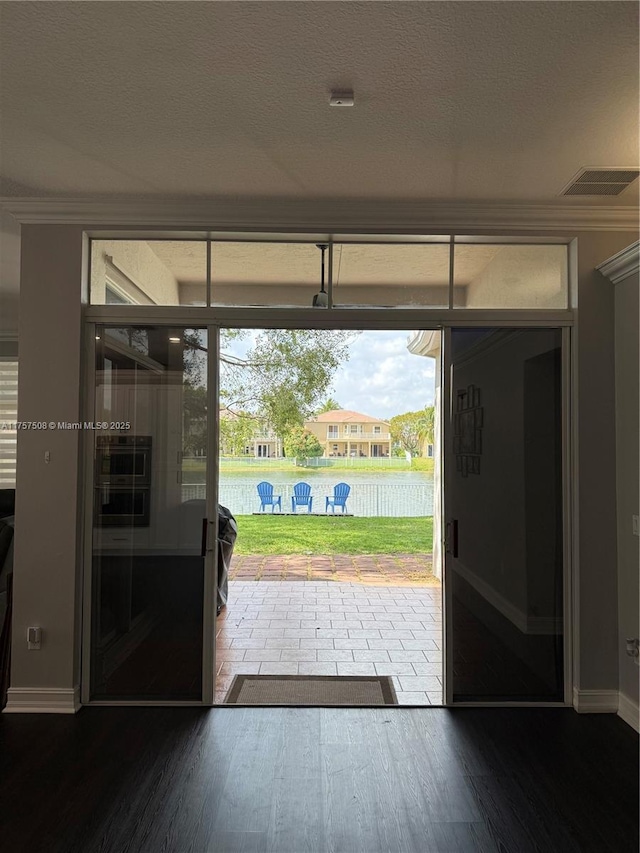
(361,615)
(383,569)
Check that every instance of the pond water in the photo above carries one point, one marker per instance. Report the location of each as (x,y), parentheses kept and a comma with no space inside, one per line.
(325,475)
(388,494)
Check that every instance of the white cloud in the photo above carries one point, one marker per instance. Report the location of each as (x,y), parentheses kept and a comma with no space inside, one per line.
(381,378)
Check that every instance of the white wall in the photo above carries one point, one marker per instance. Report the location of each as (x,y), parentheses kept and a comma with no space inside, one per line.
(596,499)
(142,266)
(521,277)
(627,357)
(46,566)
(47,591)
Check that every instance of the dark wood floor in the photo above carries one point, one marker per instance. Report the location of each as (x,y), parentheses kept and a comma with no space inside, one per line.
(313,780)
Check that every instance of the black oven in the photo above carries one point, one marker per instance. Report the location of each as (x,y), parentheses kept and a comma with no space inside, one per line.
(122,506)
(123,460)
(123,481)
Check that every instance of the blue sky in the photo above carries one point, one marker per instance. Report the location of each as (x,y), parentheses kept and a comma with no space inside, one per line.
(381,378)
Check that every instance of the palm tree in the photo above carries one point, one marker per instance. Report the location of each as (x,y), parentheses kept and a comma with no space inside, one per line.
(427,426)
(329,405)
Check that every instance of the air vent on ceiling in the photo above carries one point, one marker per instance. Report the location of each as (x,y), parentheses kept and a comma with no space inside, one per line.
(601,182)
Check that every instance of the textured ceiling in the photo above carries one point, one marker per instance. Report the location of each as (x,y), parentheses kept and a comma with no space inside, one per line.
(455,100)
(299,263)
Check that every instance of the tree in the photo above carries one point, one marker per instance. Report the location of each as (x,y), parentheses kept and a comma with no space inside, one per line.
(236,431)
(301,443)
(429,424)
(284,373)
(329,405)
(194,420)
(411,429)
(282,376)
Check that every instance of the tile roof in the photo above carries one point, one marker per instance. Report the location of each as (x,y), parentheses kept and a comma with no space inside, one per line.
(340,416)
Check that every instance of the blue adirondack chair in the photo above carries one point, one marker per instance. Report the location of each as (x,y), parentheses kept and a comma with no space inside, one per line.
(301,496)
(267,498)
(340,495)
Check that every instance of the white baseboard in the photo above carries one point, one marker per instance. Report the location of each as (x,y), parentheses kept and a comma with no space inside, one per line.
(501,604)
(523,622)
(595,701)
(42,700)
(629,711)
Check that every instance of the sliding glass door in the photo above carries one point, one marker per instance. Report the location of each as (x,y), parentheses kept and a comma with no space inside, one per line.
(150,599)
(503,489)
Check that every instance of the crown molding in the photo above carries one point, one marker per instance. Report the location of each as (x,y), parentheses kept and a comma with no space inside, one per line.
(334,215)
(622,265)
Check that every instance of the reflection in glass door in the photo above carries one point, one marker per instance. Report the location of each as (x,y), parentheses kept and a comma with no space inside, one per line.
(504,564)
(148,556)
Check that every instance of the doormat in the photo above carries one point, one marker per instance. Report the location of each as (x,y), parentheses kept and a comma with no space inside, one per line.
(311,690)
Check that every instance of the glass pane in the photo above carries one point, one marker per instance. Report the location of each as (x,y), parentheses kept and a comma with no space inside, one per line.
(275,274)
(504,493)
(148,572)
(148,272)
(508,276)
(394,276)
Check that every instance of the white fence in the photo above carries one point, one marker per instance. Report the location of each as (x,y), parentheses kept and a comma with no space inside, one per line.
(389,500)
(366,462)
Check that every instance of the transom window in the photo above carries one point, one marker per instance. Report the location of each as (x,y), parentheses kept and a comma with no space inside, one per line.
(371,271)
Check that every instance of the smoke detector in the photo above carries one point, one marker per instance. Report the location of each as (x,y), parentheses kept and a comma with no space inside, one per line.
(341,98)
(594,181)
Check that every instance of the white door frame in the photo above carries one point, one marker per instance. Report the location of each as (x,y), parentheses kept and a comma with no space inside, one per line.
(369,319)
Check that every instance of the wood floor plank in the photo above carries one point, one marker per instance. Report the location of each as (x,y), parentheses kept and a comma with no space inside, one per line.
(245,799)
(318,780)
(237,842)
(460,838)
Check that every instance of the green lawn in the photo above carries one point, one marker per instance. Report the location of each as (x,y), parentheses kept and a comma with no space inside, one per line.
(422,463)
(273,534)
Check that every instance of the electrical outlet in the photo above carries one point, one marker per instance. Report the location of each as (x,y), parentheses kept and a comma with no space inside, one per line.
(34,638)
(636,525)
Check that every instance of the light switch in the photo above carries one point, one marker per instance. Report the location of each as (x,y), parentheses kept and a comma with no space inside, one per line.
(34,638)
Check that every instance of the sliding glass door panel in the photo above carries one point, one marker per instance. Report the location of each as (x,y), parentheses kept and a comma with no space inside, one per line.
(504,564)
(149,505)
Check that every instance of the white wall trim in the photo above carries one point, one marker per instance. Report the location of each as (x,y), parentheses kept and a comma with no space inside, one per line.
(595,701)
(417,216)
(622,265)
(523,622)
(496,599)
(629,711)
(42,700)
(607,702)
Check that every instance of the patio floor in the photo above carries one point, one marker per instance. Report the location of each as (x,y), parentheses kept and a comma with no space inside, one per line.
(383,569)
(299,615)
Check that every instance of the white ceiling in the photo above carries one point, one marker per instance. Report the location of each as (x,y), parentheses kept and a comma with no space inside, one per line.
(299,263)
(454,100)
